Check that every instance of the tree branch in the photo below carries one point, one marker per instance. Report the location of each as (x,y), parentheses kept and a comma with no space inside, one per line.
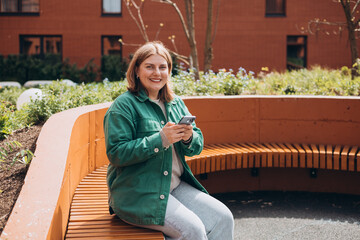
(141,29)
(169,2)
(355,6)
(216,21)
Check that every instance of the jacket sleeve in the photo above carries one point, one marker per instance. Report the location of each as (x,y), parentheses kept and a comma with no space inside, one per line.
(122,148)
(197,143)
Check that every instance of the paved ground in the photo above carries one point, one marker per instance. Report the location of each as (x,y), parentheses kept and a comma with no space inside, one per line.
(294,215)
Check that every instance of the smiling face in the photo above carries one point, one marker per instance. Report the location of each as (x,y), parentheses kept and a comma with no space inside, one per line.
(153,74)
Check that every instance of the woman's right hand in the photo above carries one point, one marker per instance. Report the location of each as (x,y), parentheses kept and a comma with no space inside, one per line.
(173,132)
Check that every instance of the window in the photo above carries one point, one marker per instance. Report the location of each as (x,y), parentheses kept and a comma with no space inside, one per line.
(19,7)
(275,8)
(296,52)
(110,45)
(40,45)
(113,66)
(111,7)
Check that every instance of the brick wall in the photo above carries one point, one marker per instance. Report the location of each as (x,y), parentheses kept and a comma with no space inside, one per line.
(245,37)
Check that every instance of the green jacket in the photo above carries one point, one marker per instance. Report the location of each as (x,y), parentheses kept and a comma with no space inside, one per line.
(139,173)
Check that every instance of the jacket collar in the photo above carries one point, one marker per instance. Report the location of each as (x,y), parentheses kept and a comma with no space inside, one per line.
(142,97)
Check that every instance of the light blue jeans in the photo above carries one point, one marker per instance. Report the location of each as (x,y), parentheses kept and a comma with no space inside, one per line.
(194,215)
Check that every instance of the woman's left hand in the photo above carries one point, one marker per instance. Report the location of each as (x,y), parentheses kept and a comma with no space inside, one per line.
(188,131)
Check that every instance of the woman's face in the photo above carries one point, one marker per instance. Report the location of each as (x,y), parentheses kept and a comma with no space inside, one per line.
(153,74)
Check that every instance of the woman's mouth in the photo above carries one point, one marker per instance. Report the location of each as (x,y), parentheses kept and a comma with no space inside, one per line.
(155,80)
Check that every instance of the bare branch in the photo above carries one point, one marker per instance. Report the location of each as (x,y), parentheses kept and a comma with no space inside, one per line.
(138,8)
(314,25)
(179,14)
(158,31)
(172,39)
(216,21)
(129,44)
(355,6)
(180,57)
(141,29)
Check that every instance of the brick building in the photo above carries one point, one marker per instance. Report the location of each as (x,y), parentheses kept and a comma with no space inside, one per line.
(250,34)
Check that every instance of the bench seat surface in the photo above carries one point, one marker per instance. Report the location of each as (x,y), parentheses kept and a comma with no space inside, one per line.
(89,214)
(227,156)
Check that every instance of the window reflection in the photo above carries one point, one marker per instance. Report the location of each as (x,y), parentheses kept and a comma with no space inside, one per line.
(296,52)
(111,45)
(275,7)
(40,45)
(112,6)
(19,6)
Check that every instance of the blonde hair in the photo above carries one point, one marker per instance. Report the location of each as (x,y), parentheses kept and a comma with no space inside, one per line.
(148,49)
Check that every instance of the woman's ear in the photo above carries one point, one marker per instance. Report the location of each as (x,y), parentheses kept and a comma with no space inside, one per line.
(136,72)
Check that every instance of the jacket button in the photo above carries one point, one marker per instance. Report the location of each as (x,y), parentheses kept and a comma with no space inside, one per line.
(166,173)
(156,150)
(162,122)
(162,197)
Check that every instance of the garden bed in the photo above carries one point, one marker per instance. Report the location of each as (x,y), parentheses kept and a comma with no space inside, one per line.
(12,176)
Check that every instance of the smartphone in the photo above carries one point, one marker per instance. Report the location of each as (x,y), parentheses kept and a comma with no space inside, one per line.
(187,120)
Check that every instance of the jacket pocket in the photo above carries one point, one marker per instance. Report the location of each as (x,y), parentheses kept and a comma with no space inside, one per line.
(147,127)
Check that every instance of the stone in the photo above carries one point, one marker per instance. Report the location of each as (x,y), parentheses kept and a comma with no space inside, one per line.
(36,83)
(69,82)
(10,84)
(27,96)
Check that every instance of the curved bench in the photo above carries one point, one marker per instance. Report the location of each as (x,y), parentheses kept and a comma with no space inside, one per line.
(61,162)
(229,156)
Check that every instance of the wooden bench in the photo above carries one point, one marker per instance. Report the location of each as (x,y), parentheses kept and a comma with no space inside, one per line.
(331,123)
(90,218)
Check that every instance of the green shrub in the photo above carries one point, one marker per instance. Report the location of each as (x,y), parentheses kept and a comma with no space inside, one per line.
(22,68)
(58,96)
(5,129)
(10,94)
(315,81)
(113,67)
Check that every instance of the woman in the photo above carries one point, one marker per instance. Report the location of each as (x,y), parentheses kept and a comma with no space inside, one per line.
(150,184)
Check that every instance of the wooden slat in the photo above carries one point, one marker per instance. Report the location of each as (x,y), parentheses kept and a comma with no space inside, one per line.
(302,155)
(266,154)
(275,154)
(309,156)
(358,161)
(257,154)
(344,158)
(288,160)
(316,156)
(294,155)
(329,157)
(281,154)
(336,157)
(352,155)
(322,155)
(251,155)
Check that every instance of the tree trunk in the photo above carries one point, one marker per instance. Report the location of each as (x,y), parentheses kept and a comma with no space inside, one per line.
(190,12)
(208,50)
(351,26)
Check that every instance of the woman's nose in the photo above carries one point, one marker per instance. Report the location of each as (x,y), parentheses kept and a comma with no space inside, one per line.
(157,71)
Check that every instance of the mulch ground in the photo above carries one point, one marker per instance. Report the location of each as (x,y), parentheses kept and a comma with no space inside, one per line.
(12,176)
